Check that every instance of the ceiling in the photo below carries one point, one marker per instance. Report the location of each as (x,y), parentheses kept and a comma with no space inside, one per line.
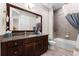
(55,6)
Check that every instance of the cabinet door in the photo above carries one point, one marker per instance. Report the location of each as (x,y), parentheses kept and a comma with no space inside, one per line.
(38,48)
(3,49)
(15,51)
(45,43)
(41,45)
(29,49)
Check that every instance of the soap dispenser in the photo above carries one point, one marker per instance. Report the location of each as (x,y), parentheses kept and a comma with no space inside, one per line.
(7,34)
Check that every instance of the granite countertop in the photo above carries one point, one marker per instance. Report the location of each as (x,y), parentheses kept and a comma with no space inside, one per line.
(19,37)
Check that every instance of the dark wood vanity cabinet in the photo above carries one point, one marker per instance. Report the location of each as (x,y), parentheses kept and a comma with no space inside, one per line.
(33,46)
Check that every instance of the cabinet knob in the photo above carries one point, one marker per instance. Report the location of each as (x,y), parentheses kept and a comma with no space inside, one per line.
(15,43)
(15,52)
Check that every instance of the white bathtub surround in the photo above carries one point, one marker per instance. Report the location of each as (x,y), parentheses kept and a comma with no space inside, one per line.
(65,43)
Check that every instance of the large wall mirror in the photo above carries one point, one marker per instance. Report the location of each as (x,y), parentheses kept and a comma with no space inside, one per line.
(22,20)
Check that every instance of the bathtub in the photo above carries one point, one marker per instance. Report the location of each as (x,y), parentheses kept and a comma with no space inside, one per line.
(65,44)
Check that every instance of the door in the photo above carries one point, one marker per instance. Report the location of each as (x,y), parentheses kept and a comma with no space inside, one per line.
(29,49)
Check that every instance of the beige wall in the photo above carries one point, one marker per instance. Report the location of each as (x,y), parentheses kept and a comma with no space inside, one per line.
(62,27)
(2,18)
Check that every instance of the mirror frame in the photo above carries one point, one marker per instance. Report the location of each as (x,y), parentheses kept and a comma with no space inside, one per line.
(16,7)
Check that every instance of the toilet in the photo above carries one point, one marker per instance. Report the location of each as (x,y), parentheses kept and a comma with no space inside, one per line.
(51,44)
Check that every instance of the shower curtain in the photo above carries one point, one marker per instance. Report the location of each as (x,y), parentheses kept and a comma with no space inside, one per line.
(74,21)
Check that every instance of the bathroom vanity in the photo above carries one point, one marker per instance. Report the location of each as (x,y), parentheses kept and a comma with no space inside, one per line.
(31,45)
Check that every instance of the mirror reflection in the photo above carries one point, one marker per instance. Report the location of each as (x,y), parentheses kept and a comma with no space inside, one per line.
(21,20)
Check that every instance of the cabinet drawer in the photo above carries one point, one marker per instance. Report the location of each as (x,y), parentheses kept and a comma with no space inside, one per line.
(13,43)
(40,38)
(37,39)
(29,40)
(16,51)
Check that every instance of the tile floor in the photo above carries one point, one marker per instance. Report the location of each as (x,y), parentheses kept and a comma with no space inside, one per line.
(58,52)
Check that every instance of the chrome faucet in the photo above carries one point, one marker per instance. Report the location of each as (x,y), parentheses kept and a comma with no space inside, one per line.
(25,33)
